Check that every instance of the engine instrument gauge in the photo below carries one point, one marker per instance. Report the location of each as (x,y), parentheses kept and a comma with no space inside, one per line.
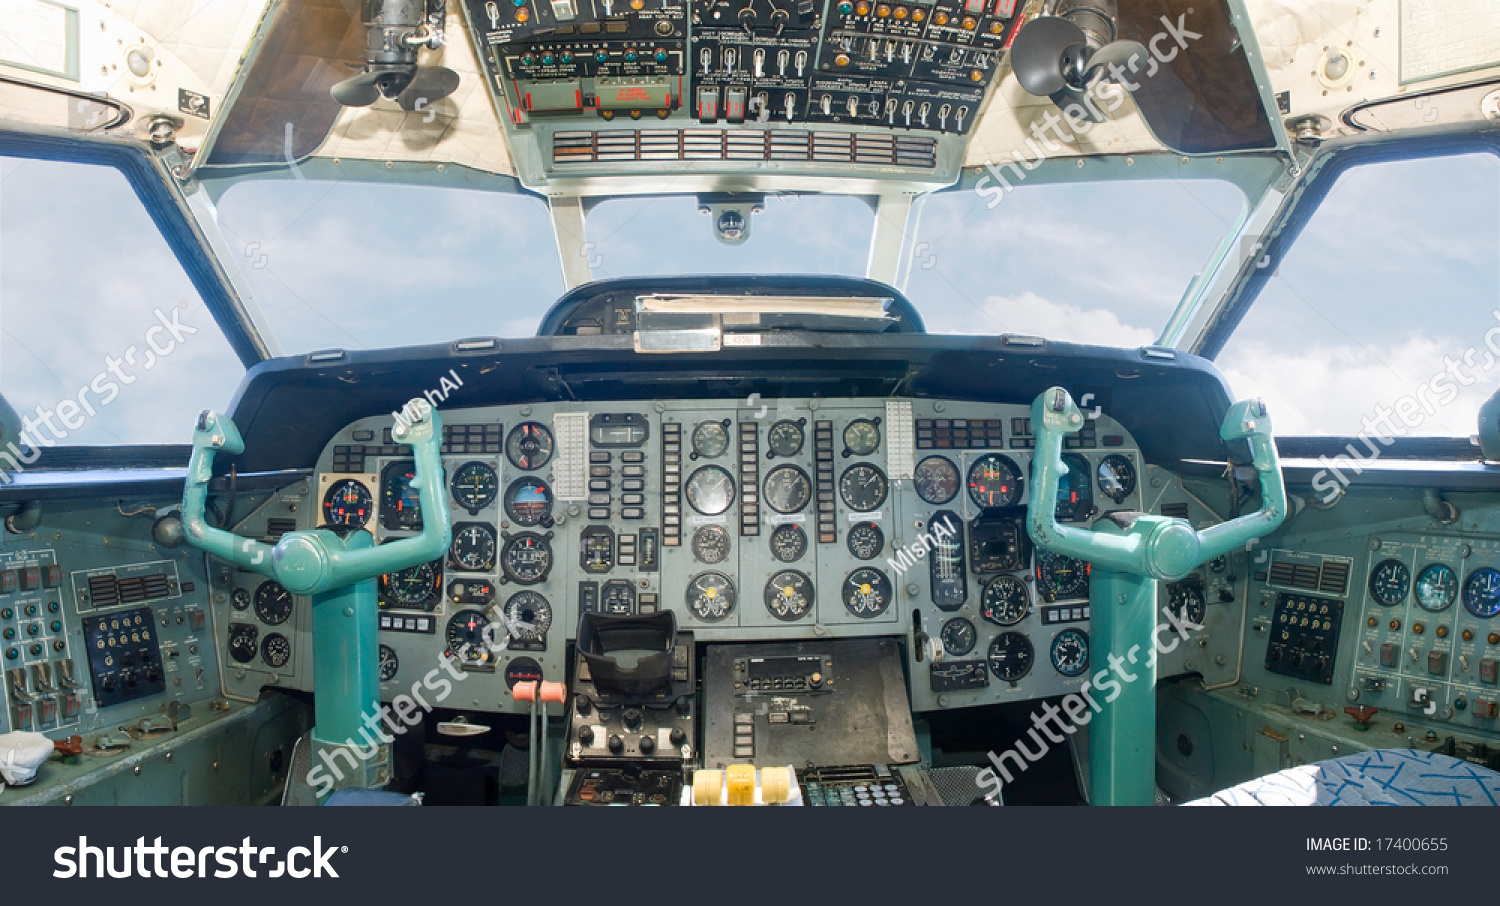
(1070,652)
(789,595)
(239,599)
(785,438)
(244,642)
(861,437)
(389,663)
(276,650)
(1116,476)
(617,597)
(468,636)
(995,480)
(1004,601)
(867,593)
(863,487)
(474,486)
(528,502)
(787,489)
(527,557)
(1010,656)
(711,544)
(347,504)
(273,603)
(865,540)
(1389,582)
(528,616)
(473,548)
(1060,578)
(1075,494)
(1186,601)
(958,636)
(788,543)
(936,479)
(414,588)
(710,439)
(711,597)
(400,507)
(1437,587)
(1482,593)
(528,446)
(711,490)
(596,549)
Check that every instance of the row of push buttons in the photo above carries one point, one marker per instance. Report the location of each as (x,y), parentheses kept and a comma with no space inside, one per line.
(632,484)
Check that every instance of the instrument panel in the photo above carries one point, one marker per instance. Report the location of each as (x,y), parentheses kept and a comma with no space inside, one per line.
(798,519)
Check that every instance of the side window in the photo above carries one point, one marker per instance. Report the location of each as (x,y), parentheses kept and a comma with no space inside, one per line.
(1383,317)
(103,339)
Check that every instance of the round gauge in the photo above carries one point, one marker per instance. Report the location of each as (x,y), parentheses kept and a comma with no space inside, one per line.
(785,438)
(1004,601)
(1059,578)
(995,480)
(389,663)
(526,558)
(789,595)
(1075,496)
(528,446)
(239,599)
(347,504)
(1185,599)
(787,489)
(276,649)
(1116,477)
(1482,593)
(528,501)
(710,439)
(474,485)
(711,490)
(1437,588)
(467,637)
(400,507)
(936,479)
(414,588)
(788,543)
(958,636)
(528,616)
(473,548)
(522,670)
(1070,652)
(1389,582)
(1010,656)
(273,603)
(244,642)
(711,544)
(861,437)
(865,540)
(710,596)
(867,593)
(863,487)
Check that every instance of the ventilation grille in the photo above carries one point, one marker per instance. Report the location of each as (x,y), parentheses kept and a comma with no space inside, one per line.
(1327,576)
(1175,510)
(107,591)
(275,528)
(648,145)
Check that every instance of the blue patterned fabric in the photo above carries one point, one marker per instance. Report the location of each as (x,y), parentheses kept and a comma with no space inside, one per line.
(1378,777)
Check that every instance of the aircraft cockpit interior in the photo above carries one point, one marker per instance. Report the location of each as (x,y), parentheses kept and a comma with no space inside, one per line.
(873,403)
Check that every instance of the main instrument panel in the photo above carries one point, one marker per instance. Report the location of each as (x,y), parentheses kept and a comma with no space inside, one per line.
(789,520)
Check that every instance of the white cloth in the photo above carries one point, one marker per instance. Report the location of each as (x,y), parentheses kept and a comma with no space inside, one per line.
(20,755)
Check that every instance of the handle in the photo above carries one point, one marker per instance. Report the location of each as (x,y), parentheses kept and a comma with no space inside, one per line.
(310,562)
(1155,546)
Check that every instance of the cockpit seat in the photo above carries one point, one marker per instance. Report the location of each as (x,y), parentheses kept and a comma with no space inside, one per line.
(1376,777)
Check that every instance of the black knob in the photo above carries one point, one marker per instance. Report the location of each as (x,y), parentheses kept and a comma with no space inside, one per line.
(108,684)
(684,704)
(583,704)
(678,737)
(616,744)
(632,718)
(648,745)
(586,735)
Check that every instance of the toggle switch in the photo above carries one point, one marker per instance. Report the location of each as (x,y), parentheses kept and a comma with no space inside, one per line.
(922,113)
(760,64)
(943,112)
(789,105)
(782,57)
(801,62)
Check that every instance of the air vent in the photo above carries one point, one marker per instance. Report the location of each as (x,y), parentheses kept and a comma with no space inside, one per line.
(136,589)
(1327,576)
(1335,580)
(1175,510)
(652,145)
(104,591)
(275,528)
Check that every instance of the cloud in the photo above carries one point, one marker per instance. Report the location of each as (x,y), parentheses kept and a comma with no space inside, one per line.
(1031,314)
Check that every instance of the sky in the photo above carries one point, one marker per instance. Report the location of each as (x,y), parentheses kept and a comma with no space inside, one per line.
(1399,268)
